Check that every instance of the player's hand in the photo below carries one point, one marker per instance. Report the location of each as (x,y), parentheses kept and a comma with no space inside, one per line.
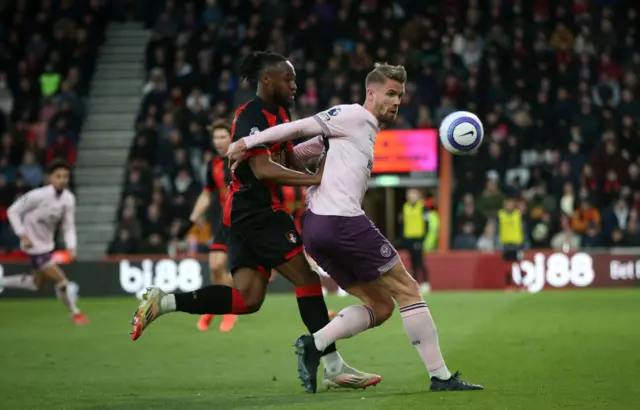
(72,254)
(184,229)
(236,152)
(26,242)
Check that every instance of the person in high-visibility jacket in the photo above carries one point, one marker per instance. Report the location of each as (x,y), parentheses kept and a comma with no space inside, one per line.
(414,231)
(511,226)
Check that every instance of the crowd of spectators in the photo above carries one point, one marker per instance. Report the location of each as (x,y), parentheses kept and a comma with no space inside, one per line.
(557,86)
(47,57)
(555,83)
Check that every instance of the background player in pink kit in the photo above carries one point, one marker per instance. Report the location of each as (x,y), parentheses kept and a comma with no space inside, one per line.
(343,241)
(34,218)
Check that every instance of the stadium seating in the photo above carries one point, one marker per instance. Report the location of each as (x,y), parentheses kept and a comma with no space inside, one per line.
(559,104)
(47,58)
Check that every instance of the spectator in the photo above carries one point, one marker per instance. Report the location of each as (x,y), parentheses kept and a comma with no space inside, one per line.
(467,213)
(584,216)
(8,170)
(6,97)
(465,239)
(49,81)
(31,171)
(153,223)
(153,245)
(491,199)
(130,223)
(592,238)
(62,149)
(616,217)
(124,244)
(565,240)
(487,241)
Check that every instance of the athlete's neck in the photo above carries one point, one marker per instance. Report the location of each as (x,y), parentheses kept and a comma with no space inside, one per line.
(262,94)
(369,107)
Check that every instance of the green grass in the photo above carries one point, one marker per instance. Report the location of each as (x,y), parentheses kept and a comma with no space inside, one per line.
(574,349)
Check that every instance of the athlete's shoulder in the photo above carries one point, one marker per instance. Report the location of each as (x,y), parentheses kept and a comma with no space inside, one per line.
(39,193)
(344,110)
(69,196)
(249,109)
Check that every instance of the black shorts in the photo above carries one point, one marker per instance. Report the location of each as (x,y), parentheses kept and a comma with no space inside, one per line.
(220,237)
(264,244)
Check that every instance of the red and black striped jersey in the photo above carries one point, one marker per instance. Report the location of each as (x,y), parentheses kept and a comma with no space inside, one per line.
(248,196)
(217,182)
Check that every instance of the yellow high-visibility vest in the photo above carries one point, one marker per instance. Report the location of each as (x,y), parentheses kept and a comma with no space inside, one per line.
(510,227)
(413,218)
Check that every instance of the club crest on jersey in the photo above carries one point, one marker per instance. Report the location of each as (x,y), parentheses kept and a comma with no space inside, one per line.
(385,250)
(326,115)
(254,131)
(334,111)
(292,237)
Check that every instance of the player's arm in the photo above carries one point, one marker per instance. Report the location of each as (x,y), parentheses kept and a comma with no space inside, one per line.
(252,122)
(327,123)
(202,203)
(304,128)
(266,170)
(293,161)
(69,227)
(23,205)
(204,200)
(309,150)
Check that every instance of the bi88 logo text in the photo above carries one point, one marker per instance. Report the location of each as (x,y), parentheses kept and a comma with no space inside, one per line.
(557,270)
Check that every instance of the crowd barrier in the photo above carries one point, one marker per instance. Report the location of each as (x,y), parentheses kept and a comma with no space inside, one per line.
(537,271)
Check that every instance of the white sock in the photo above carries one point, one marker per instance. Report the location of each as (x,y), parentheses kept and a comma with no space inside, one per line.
(168,304)
(332,362)
(421,329)
(67,297)
(22,281)
(348,322)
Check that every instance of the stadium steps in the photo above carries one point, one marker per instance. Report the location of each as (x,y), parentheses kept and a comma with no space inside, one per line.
(115,96)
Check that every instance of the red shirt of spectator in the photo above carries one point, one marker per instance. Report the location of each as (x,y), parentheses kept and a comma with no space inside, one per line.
(62,149)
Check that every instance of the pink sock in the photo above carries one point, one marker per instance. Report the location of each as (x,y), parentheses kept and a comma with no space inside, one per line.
(422,332)
(349,322)
(22,281)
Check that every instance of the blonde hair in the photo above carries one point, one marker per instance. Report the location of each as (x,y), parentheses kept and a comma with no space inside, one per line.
(383,71)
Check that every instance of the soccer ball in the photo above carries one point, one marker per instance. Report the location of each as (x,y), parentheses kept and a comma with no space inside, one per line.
(461,133)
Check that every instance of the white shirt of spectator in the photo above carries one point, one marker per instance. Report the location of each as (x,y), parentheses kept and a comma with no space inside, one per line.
(38,213)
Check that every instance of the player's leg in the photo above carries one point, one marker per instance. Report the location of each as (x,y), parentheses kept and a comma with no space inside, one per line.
(33,281)
(415,252)
(420,327)
(315,315)
(296,268)
(245,298)
(22,281)
(218,262)
(66,292)
(376,308)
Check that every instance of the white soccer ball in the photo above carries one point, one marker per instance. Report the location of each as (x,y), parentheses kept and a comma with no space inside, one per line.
(461,132)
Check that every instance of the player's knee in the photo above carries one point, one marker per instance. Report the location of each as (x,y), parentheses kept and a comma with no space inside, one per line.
(382,310)
(253,302)
(253,305)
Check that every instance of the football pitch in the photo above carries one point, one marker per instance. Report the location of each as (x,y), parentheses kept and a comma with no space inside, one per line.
(559,349)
